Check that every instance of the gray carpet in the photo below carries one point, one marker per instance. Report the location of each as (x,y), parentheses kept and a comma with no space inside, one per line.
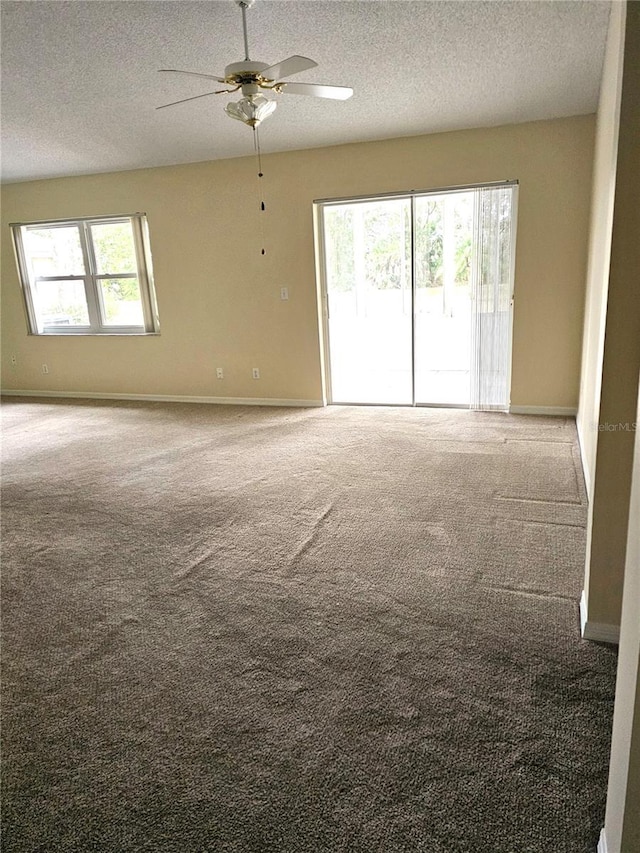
(351,629)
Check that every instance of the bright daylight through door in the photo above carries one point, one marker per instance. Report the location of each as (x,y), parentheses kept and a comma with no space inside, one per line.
(417,294)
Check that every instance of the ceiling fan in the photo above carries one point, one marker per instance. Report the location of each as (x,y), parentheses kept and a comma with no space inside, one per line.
(253,77)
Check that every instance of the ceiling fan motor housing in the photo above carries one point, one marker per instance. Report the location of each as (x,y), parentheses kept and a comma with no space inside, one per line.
(245,73)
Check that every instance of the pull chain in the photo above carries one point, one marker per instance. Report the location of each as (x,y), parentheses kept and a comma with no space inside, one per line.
(256,145)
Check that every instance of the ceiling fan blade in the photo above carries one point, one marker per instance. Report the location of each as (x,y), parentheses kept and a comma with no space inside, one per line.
(337,93)
(292,65)
(184,100)
(192,73)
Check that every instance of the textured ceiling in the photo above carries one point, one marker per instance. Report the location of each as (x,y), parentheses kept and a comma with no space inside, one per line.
(80,81)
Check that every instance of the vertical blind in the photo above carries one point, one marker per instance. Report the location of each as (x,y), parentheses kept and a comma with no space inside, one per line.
(492,297)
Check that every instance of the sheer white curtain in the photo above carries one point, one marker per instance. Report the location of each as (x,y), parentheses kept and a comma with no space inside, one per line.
(492,292)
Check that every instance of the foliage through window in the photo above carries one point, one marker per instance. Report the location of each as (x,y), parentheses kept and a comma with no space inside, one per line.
(387,234)
(87,276)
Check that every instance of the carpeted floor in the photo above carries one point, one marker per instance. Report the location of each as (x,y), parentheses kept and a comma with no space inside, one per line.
(250,630)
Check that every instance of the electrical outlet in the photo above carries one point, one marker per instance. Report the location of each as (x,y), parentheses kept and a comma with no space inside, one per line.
(14,360)
(45,368)
(219,373)
(255,373)
(284,293)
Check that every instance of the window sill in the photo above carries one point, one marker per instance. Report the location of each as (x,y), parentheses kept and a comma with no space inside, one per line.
(114,334)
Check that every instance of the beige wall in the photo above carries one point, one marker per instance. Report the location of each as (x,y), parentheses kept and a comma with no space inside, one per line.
(617,463)
(612,337)
(613,559)
(219,298)
(622,822)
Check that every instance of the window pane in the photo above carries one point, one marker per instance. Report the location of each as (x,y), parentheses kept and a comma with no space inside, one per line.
(60,303)
(368,262)
(113,247)
(54,251)
(121,302)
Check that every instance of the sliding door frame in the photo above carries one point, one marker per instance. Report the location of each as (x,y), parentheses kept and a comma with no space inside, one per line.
(514,230)
(322,294)
(412,246)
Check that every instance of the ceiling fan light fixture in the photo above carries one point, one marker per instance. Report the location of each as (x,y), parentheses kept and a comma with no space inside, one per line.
(251,110)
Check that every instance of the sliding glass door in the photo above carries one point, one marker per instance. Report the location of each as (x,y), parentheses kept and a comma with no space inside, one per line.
(417,297)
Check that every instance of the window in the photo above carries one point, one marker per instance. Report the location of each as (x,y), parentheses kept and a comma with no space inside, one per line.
(87,276)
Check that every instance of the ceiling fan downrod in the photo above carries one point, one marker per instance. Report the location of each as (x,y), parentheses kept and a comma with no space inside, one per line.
(244,5)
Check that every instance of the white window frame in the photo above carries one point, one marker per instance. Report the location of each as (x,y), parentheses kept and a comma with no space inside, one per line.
(91,278)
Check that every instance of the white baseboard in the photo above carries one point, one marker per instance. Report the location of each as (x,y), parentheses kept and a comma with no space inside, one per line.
(599,632)
(163,398)
(602,843)
(550,411)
